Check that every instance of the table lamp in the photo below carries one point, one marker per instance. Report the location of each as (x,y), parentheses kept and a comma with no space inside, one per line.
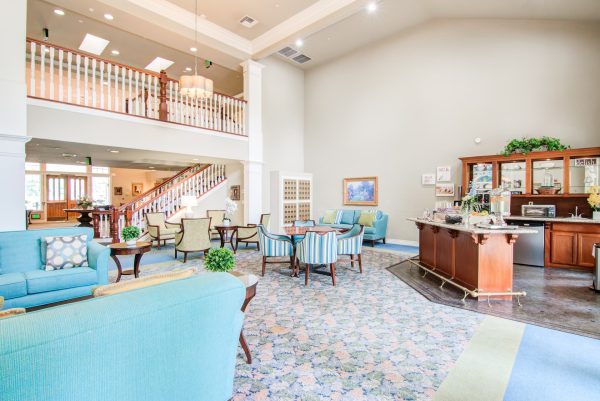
(189,202)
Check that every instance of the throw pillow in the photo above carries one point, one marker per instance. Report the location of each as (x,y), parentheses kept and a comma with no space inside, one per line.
(143,282)
(338,217)
(329,217)
(366,219)
(66,252)
(347,217)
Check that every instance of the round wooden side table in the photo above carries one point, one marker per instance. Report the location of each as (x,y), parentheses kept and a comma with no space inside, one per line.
(223,231)
(250,282)
(138,250)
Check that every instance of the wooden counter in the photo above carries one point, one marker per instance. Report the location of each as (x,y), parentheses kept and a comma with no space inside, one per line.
(480,260)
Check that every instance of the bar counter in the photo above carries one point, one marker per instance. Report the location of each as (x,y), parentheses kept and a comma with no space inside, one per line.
(477,260)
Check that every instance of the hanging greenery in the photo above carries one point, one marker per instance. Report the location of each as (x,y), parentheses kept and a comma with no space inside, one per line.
(528,145)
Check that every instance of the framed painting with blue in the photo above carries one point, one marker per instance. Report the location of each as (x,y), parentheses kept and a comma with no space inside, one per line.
(361,191)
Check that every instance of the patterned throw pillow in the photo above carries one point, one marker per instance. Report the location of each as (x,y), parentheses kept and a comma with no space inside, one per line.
(329,217)
(66,252)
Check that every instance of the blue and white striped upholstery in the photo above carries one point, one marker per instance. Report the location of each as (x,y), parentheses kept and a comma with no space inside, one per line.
(317,249)
(338,217)
(304,223)
(272,245)
(350,243)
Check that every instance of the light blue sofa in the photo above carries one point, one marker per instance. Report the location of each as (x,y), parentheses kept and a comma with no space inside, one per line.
(24,282)
(173,341)
(373,234)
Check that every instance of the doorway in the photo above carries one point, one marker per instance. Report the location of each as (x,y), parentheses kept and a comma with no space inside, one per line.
(63,193)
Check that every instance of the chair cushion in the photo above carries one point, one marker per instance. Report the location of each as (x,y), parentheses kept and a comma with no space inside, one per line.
(366,219)
(169,231)
(347,217)
(341,226)
(65,252)
(54,280)
(13,285)
(370,230)
(329,217)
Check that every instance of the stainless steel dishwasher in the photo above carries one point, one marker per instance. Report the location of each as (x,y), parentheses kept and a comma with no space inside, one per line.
(529,248)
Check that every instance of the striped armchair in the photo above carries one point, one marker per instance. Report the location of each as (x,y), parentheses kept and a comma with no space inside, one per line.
(350,243)
(274,246)
(317,249)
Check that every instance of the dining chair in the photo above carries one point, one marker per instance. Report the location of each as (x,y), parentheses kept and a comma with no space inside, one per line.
(216,217)
(247,235)
(274,246)
(350,244)
(159,229)
(317,248)
(193,237)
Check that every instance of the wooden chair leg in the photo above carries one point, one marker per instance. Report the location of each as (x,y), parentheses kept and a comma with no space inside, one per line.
(264,265)
(360,263)
(306,271)
(185,257)
(165,242)
(332,267)
(158,243)
(175,253)
(351,260)
(292,263)
(258,246)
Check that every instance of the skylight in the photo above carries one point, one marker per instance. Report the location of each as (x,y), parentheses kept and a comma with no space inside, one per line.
(159,64)
(93,44)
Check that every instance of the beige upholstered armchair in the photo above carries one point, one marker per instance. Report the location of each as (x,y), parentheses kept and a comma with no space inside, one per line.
(159,228)
(193,237)
(249,234)
(216,217)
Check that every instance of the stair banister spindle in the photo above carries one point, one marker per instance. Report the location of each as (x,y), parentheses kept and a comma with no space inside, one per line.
(142,94)
(94,66)
(123,89)
(32,47)
(108,79)
(137,94)
(70,84)
(51,72)
(43,71)
(78,78)
(86,64)
(60,74)
(116,105)
(101,85)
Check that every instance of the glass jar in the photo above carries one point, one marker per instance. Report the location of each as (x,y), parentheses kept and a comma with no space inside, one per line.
(500,204)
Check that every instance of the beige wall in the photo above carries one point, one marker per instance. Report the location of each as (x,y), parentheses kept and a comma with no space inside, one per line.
(403,106)
(283,120)
(124,177)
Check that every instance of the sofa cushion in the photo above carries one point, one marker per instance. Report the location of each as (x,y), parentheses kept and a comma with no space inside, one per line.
(370,230)
(366,219)
(329,217)
(347,217)
(13,285)
(345,226)
(124,286)
(65,252)
(54,280)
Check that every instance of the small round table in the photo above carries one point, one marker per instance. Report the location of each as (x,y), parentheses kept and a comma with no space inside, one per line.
(121,248)
(84,218)
(250,281)
(223,230)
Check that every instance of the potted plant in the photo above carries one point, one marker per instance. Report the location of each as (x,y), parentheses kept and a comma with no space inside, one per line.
(84,202)
(594,201)
(219,260)
(230,208)
(130,234)
(528,145)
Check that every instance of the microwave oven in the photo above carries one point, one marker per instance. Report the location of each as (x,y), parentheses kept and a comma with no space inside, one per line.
(538,210)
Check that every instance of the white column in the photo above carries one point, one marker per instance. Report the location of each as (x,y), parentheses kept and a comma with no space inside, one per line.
(13,116)
(253,168)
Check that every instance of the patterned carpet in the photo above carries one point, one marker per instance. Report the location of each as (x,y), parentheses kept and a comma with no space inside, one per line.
(371,337)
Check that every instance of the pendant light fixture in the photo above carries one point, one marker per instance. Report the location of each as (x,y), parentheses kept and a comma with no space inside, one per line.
(195,86)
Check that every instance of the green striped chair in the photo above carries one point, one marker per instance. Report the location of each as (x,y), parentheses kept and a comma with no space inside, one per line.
(274,246)
(350,244)
(317,249)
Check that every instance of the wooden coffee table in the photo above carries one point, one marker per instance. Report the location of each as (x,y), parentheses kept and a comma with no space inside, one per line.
(223,231)
(250,281)
(138,250)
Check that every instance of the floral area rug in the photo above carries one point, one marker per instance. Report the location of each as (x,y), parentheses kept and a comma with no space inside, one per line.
(371,337)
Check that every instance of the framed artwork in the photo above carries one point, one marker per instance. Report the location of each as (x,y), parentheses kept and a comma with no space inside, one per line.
(137,188)
(444,190)
(235,192)
(444,174)
(118,191)
(361,191)
(428,179)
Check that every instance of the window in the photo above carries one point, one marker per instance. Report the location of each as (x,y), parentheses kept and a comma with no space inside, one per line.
(76,188)
(101,190)
(68,168)
(33,191)
(100,170)
(56,189)
(32,166)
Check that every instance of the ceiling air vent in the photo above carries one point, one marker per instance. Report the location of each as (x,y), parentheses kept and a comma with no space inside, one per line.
(287,51)
(248,21)
(301,59)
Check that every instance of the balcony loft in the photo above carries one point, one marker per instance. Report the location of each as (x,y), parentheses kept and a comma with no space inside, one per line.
(71,77)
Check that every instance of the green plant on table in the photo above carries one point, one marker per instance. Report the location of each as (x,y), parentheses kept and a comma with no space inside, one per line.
(219,260)
(84,202)
(129,233)
(528,145)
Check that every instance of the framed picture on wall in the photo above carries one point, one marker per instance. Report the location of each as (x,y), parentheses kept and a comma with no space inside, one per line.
(137,188)
(444,190)
(361,191)
(235,193)
(118,191)
(428,179)
(444,174)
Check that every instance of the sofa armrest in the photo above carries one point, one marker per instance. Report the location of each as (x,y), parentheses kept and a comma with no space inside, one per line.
(98,260)
(381,226)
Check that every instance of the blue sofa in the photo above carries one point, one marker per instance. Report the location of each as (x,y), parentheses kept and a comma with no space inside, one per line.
(172,341)
(350,216)
(24,282)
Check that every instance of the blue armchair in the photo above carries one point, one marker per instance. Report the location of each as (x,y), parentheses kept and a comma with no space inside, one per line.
(350,243)
(317,249)
(24,282)
(274,246)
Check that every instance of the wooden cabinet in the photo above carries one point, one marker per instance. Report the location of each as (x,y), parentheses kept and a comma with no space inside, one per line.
(571,244)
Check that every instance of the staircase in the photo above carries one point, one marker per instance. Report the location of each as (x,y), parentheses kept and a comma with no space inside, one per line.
(196,180)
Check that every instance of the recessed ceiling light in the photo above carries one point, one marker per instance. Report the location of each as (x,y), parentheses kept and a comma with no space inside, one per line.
(93,44)
(299,42)
(159,64)
(113,151)
(69,155)
(188,69)
(193,49)
(115,52)
(372,7)
(150,166)
(80,21)
(109,17)
(91,9)
(47,50)
(58,11)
